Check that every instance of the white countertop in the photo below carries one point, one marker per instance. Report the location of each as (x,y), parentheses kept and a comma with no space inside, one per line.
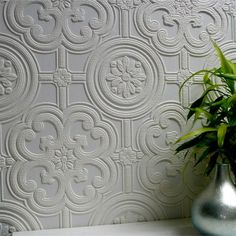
(156,228)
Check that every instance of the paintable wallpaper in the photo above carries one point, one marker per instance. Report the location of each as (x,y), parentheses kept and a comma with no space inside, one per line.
(90,107)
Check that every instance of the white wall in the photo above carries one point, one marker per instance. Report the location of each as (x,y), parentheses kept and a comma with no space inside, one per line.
(89,107)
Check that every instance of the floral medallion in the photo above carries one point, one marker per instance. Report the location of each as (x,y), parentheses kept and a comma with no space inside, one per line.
(62,77)
(61,4)
(121,78)
(127,77)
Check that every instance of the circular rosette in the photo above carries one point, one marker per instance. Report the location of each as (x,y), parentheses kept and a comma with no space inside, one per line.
(18,78)
(125,78)
(127,208)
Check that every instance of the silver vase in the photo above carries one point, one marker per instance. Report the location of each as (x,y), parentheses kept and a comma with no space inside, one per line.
(214,210)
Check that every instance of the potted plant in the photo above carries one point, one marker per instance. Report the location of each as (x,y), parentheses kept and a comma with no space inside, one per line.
(214,142)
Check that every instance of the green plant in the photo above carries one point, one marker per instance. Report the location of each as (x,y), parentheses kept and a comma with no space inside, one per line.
(215,141)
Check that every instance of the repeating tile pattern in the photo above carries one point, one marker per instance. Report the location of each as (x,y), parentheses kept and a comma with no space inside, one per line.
(90,107)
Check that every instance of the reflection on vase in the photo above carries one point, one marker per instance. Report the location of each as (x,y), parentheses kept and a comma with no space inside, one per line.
(214,211)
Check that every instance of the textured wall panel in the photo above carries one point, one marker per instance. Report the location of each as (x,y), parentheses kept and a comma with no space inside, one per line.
(90,107)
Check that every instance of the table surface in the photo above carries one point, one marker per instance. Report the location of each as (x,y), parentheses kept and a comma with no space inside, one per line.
(177,227)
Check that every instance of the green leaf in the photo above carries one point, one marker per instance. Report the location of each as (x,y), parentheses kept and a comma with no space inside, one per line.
(227,68)
(199,111)
(221,134)
(191,76)
(207,140)
(211,163)
(215,105)
(196,132)
(232,123)
(206,79)
(229,76)
(218,102)
(231,99)
(225,65)
(187,144)
(207,153)
(195,104)
(232,116)
(217,137)
(198,103)
(233,66)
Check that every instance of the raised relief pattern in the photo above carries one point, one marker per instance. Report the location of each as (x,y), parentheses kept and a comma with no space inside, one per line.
(18,78)
(127,208)
(127,156)
(6,162)
(124,83)
(127,77)
(173,25)
(71,165)
(229,6)
(161,172)
(60,21)
(63,159)
(14,217)
(61,4)
(90,109)
(129,217)
(62,77)
(7,77)
(183,7)
(6,230)
(126,4)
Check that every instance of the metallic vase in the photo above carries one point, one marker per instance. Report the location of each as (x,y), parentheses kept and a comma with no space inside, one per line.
(214,211)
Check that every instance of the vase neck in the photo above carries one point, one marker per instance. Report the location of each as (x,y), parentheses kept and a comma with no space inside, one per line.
(222,172)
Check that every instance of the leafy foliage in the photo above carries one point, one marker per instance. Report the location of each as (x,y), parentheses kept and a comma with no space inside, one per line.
(215,141)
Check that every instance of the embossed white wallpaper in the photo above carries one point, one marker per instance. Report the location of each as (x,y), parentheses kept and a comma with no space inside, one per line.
(90,107)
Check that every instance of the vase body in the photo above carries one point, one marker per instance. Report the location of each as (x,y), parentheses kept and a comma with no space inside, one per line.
(214,210)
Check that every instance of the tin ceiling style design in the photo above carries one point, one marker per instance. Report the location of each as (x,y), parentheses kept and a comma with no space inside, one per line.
(90,107)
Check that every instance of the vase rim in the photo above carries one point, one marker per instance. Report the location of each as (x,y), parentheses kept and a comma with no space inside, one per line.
(222,164)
